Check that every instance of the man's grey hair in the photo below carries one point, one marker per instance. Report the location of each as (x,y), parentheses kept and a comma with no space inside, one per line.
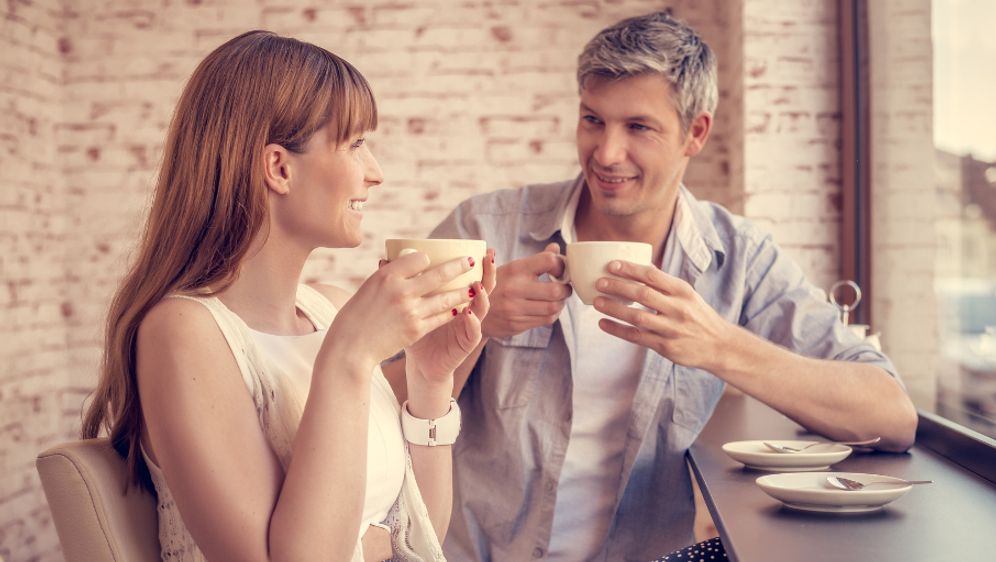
(656,43)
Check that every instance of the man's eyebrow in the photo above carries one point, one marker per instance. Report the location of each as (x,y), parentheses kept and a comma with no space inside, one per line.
(643,118)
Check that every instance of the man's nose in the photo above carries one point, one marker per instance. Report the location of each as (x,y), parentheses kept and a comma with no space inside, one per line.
(611,149)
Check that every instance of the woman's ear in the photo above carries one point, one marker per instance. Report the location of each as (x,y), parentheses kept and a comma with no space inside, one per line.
(698,133)
(277,168)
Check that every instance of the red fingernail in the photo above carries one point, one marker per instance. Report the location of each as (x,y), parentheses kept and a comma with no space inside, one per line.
(471,260)
(472,292)
(454,311)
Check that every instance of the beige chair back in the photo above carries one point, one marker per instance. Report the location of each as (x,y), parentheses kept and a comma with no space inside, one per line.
(96,521)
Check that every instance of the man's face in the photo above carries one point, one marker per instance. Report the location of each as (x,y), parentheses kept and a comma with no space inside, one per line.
(630,144)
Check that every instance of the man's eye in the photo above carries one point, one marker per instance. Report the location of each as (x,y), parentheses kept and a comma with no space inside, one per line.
(638,127)
(591,119)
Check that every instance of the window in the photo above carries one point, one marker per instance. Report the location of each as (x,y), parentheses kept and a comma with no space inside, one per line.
(964,139)
(920,201)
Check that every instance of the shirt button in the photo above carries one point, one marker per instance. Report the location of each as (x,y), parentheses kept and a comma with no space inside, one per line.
(537,553)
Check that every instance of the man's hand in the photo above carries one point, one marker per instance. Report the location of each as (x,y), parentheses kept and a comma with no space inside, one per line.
(520,300)
(677,323)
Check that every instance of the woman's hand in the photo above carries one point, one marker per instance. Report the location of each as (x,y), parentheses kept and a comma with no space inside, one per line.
(436,355)
(392,309)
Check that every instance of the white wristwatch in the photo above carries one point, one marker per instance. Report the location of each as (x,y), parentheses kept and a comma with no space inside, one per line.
(430,433)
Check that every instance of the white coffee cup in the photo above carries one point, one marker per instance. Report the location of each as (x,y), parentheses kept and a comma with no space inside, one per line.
(587,262)
(441,251)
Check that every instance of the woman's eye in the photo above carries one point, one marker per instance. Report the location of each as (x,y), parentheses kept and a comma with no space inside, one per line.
(591,119)
(357,143)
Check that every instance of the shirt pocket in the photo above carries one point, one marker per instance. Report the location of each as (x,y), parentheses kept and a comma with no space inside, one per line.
(513,364)
(696,394)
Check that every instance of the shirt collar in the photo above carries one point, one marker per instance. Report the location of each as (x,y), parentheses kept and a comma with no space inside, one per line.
(695,232)
(691,226)
(548,224)
(568,231)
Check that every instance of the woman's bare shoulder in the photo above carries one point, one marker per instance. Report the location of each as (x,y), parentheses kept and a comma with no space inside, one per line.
(179,335)
(177,320)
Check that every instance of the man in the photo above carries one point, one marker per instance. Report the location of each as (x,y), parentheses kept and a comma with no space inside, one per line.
(576,419)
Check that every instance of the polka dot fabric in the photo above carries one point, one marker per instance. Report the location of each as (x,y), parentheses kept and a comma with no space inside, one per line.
(706,551)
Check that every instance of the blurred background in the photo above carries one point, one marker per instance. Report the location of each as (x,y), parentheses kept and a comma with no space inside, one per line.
(477,95)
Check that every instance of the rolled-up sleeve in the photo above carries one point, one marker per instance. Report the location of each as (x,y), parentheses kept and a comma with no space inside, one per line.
(785,308)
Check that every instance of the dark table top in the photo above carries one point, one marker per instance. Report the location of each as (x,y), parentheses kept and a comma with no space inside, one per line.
(952,519)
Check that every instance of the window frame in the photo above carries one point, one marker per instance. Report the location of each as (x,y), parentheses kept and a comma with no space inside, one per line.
(855,226)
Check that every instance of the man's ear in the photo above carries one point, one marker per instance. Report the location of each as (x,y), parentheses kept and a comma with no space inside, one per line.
(277,168)
(698,133)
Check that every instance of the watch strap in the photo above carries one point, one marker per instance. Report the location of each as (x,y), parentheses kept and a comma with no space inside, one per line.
(432,432)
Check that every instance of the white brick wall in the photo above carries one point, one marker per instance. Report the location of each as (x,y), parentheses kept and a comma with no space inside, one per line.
(34,285)
(791,115)
(474,96)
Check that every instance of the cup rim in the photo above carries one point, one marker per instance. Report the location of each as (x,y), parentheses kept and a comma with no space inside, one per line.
(607,243)
(440,240)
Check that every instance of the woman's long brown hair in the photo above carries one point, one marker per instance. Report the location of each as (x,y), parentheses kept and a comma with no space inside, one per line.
(210,200)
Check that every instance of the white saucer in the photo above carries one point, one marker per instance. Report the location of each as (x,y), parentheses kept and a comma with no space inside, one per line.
(754,454)
(789,468)
(810,491)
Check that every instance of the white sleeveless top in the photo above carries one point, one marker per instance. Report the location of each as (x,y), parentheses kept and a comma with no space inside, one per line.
(385,443)
(277,374)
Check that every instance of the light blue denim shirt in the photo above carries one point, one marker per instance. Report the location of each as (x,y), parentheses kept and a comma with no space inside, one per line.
(517,408)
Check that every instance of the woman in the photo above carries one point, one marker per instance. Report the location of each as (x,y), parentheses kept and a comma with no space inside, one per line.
(256,403)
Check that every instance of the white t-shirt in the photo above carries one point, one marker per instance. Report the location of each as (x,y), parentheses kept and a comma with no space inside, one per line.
(606,371)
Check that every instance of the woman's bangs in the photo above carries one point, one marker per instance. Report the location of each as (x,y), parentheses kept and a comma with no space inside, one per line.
(359,112)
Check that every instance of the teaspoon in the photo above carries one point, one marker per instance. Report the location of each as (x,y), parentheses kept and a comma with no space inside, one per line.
(786,449)
(853,485)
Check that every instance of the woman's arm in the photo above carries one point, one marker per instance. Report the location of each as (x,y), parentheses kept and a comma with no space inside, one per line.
(433,466)
(430,365)
(204,433)
(441,342)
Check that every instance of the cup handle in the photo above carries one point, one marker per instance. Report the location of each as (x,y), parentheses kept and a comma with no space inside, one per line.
(566,278)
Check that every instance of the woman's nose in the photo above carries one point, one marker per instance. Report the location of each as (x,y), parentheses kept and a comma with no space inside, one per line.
(372,174)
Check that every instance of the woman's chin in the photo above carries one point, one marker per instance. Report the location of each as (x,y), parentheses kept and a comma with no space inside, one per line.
(351,241)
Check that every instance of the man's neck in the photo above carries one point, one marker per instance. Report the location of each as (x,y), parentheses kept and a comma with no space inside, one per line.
(649,225)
